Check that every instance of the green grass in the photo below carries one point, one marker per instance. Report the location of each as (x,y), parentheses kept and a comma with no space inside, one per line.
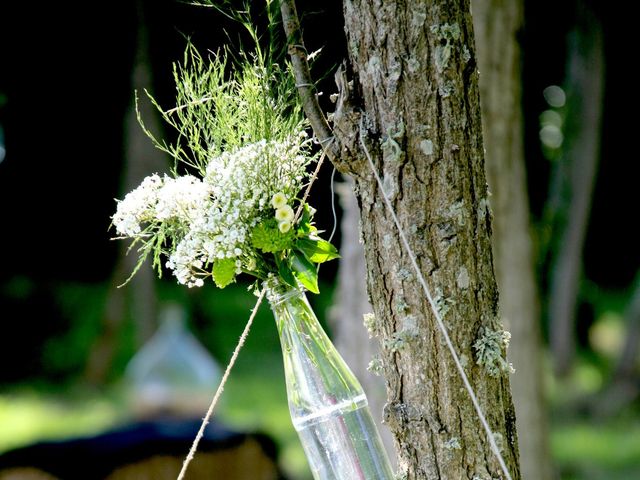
(255,397)
(256,401)
(29,417)
(587,451)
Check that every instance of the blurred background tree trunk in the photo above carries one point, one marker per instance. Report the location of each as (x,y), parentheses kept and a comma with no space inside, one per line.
(624,387)
(497,25)
(627,368)
(577,173)
(139,300)
(351,303)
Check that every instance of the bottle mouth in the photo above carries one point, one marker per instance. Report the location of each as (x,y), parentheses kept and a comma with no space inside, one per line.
(278,291)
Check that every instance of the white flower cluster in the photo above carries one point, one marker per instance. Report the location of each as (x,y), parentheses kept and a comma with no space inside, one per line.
(211,218)
(137,206)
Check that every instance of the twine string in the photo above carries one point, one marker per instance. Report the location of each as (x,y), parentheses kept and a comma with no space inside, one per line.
(216,397)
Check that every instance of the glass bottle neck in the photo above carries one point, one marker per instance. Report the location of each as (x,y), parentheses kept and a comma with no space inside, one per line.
(279,292)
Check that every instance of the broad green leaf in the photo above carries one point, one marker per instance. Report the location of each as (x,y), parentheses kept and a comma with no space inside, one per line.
(317,250)
(224,271)
(284,270)
(305,271)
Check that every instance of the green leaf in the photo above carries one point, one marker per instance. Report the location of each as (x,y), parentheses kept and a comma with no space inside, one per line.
(224,271)
(284,270)
(305,271)
(305,225)
(317,250)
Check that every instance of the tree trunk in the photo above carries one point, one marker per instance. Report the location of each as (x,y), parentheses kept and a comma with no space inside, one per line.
(497,24)
(624,387)
(360,351)
(139,299)
(414,104)
(585,89)
(627,367)
(416,107)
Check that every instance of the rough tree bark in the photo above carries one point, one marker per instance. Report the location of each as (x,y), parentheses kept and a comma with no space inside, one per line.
(497,24)
(414,104)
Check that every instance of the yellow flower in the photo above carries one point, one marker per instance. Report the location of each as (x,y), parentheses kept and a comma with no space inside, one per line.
(284,226)
(279,200)
(284,214)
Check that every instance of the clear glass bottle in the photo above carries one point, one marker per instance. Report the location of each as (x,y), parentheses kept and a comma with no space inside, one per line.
(328,406)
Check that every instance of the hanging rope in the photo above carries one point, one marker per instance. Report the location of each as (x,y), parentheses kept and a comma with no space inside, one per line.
(216,397)
(434,309)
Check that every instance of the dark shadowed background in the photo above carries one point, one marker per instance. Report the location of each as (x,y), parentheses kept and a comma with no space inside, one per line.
(66,87)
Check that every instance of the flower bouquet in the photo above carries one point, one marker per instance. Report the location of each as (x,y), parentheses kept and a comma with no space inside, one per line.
(237,209)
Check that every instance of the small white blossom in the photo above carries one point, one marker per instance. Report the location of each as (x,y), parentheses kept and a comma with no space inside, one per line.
(284,226)
(284,214)
(279,200)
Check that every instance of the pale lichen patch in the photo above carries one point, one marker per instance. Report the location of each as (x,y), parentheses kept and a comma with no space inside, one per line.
(457,211)
(399,340)
(369,321)
(446,89)
(466,54)
(484,208)
(409,324)
(489,348)
(443,304)
(453,444)
(402,305)
(413,65)
(418,16)
(375,366)
(426,146)
(462,279)
(447,35)
(404,274)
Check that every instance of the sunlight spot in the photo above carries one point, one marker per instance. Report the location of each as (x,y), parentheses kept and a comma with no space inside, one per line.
(555,96)
(551,136)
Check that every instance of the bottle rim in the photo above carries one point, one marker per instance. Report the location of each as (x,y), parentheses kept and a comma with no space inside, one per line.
(278,291)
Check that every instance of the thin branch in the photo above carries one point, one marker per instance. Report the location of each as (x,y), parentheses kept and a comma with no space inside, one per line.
(314,177)
(304,84)
(200,101)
